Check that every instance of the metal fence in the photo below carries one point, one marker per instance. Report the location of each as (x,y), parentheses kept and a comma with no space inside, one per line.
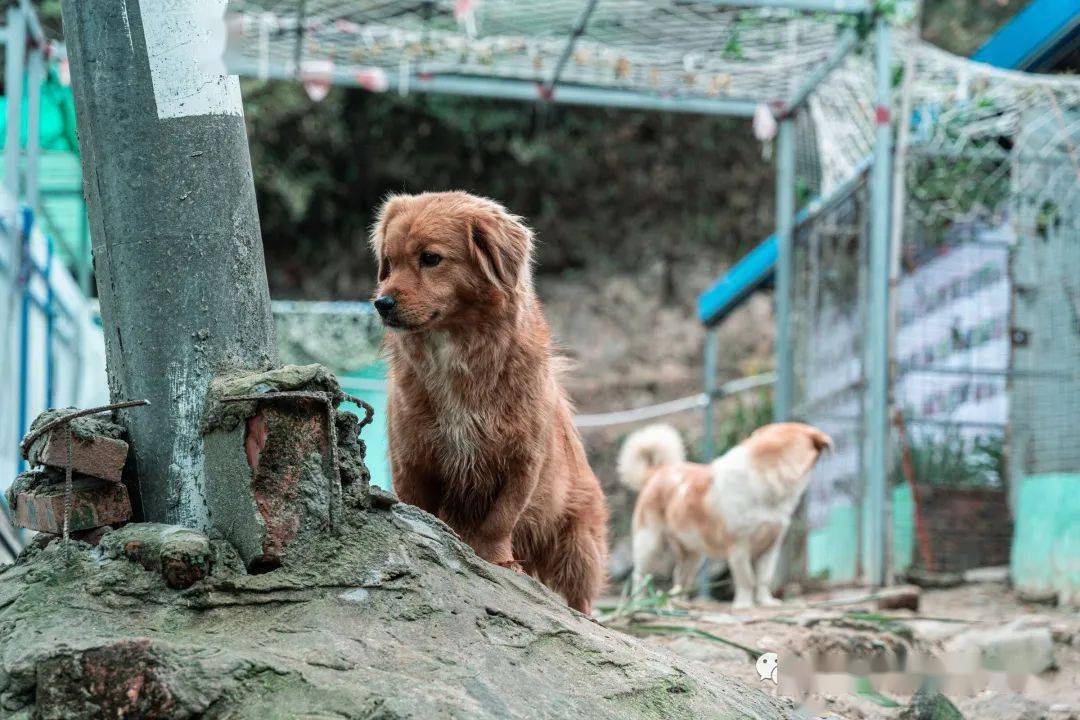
(830,263)
(51,351)
(984,338)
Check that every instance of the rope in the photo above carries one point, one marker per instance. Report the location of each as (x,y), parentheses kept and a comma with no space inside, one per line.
(671,407)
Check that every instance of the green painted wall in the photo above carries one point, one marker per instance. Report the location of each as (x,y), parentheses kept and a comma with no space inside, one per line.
(903,528)
(832,550)
(1046,541)
(368,384)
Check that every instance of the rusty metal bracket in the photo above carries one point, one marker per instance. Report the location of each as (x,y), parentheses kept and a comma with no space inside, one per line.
(65,420)
(369,412)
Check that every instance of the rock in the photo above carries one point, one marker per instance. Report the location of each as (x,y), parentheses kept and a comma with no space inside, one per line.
(182,556)
(95,455)
(393,617)
(936,580)
(903,597)
(39,504)
(930,705)
(1011,649)
(1003,706)
(382,499)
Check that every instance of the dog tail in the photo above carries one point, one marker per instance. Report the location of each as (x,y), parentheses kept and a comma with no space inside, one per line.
(646,450)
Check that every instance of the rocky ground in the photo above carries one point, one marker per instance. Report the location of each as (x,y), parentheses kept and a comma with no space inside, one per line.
(1002,659)
(391,618)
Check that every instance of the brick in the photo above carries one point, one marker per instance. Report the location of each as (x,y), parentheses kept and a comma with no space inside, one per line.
(279,441)
(94,503)
(98,456)
(270,484)
(122,679)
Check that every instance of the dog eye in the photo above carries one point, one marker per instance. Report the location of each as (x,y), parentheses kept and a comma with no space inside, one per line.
(430,259)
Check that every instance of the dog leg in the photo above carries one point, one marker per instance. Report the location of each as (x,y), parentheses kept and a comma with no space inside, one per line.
(491,538)
(648,544)
(743,573)
(414,485)
(765,568)
(582,572)
(686,570)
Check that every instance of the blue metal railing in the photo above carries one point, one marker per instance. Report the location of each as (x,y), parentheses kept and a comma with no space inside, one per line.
(51,307)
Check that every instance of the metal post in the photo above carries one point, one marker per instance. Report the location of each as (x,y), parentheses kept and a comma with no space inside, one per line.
(14,55)
(35,76)
(50,326)
(876,402)
(785,230)
(23,228)
(708,445)
(177,246)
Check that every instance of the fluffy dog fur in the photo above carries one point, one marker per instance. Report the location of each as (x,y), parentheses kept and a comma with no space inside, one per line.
(738,508)
(480,428)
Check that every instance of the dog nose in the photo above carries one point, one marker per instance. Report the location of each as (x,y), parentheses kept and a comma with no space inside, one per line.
(385,304)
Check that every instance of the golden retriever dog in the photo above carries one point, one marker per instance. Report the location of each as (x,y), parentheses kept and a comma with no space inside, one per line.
(481,433)
(737,508)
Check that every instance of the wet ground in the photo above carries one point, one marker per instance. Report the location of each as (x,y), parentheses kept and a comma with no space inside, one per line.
(841,655)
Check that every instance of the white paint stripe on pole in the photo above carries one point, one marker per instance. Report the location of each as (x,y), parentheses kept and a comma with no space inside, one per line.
(185,40)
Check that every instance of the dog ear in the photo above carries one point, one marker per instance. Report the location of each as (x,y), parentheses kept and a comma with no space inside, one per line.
(392,206)
(502,246)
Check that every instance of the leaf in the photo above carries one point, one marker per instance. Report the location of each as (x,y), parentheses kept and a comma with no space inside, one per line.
(695,632)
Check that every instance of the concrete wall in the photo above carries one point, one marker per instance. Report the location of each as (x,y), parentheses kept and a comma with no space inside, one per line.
(1046,545)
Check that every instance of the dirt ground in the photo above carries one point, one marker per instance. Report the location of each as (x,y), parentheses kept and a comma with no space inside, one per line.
(998,658)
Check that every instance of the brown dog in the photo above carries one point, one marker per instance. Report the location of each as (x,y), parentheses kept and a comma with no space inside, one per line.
(480,428)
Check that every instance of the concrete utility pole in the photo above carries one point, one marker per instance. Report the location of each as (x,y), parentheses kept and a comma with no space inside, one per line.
(177,247)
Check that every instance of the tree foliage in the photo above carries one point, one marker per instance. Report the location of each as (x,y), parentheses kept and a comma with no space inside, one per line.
(606,190)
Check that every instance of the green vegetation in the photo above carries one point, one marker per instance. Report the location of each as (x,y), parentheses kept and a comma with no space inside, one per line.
(745,414)
(951,461)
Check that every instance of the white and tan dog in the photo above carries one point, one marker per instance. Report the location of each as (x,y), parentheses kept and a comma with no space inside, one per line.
(738,508)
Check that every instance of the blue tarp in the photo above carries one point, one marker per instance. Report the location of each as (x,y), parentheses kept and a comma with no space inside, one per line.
(751,272)
(1035,38)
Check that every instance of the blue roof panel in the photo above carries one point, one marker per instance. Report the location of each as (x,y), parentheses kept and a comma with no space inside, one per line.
(1032,35)
(751,272)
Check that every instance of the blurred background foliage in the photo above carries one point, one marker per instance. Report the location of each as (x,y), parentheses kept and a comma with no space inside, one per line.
(606,190)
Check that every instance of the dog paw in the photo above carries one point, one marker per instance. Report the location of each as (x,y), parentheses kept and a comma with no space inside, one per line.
(767,600)
(742,604)
(512,564)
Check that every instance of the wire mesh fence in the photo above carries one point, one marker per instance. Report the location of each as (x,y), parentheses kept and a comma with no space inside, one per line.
(830,263)
(691,49)
(985,335)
